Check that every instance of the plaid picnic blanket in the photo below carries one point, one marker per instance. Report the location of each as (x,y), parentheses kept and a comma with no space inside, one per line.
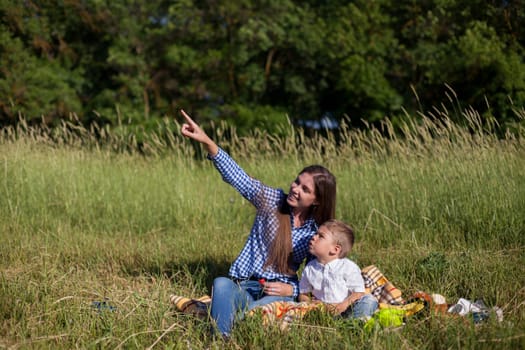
(380,287)
(197,307)
(285,313)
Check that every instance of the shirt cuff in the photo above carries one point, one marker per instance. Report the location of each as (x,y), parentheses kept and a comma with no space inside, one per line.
(218,156)
(295,287)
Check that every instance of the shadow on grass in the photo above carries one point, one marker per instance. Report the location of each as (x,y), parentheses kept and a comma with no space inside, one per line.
(201,271)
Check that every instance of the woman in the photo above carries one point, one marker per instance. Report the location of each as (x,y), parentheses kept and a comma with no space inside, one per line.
(265,270)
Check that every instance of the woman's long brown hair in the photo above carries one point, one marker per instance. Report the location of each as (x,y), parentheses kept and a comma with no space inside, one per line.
(280,255)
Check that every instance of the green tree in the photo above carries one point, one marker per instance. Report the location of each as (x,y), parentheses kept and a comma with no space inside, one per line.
(474,47)
(255,62)
(230,57)
(33,83)
(359,46)
(86,57)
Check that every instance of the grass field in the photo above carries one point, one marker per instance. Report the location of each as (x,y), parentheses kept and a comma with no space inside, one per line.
(85,217)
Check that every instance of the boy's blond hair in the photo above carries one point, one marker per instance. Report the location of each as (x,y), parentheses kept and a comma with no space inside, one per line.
(342,234)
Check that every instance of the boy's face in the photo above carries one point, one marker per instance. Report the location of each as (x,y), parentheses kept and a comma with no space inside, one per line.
(323,245)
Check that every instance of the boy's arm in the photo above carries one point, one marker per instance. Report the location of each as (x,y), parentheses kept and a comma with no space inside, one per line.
(355,284)
(304,297)
(345,304)
(307,297)
(305,288)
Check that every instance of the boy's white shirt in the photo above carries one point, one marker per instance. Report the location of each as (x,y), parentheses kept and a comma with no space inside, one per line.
(333,282)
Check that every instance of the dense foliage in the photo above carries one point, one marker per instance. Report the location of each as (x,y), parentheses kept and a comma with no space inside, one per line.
(254,62)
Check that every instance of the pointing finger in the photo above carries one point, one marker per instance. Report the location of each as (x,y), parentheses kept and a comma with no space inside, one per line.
(187,117)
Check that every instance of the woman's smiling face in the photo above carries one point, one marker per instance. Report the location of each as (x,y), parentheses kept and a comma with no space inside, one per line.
(302,192)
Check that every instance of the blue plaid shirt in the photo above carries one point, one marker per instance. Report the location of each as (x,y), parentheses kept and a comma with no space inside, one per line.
(251,260)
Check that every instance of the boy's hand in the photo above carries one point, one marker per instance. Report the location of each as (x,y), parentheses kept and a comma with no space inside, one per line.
(341,307)
(345,304)
(303,297)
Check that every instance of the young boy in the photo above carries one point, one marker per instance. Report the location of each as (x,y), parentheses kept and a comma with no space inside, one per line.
(332,278)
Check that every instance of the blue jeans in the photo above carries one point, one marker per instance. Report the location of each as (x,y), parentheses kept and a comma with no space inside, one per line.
(230,300)
(362,308)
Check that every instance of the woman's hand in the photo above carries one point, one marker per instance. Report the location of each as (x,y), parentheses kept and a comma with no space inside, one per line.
(278,289)
(192,130)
